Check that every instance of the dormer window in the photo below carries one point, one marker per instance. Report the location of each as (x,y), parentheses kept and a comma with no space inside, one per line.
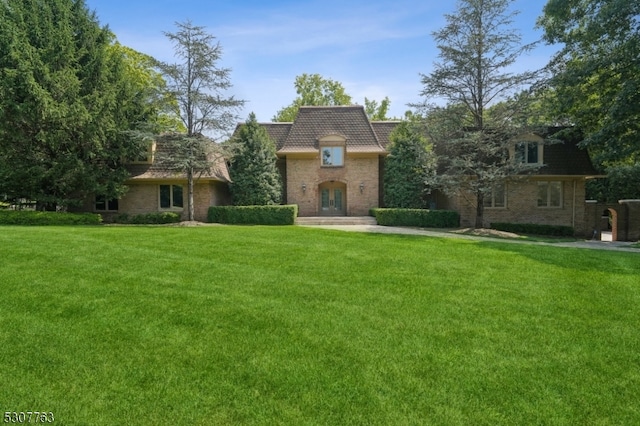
(146,156)
(332,149)
(332,156)
(529,150)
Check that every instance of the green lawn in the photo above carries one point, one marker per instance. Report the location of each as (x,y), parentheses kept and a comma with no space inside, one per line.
(290,325)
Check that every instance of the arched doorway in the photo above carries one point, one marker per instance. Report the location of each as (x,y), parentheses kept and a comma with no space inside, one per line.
(333,199)
(610,227)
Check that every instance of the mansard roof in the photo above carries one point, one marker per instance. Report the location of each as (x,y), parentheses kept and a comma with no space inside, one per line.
(314,123)
(155,170)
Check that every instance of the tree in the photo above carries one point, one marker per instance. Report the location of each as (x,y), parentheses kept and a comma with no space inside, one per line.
(407,168)
(477,47)
(596,75)
(313,90)
(65,104)
(375,111)
(199,85)
(255,178)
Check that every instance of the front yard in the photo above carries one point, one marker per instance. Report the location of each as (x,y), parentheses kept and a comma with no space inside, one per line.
(290,325)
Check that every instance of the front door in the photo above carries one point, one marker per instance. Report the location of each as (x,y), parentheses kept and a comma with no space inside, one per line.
(332,199)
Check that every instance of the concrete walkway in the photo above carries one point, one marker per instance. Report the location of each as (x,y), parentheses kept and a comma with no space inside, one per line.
(586,244)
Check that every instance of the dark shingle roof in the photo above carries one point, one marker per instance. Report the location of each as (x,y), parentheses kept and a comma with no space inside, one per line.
(566,158)
(156,171)
(383,129)
(314,123)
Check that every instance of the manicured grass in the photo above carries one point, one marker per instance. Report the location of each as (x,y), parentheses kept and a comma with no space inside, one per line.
(288,325)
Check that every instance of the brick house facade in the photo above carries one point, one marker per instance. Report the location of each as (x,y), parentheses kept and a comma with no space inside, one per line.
(152,189)
(332,163)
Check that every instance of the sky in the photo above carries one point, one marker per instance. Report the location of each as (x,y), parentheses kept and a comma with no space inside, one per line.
(374,48)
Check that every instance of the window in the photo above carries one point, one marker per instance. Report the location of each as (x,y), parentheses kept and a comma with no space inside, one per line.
(529,152)
(550,194)
(146,156)
(497,198)
(103,204)
(332,156)
(171,197)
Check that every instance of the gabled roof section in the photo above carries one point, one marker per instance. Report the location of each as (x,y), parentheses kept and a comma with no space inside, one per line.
(314,123)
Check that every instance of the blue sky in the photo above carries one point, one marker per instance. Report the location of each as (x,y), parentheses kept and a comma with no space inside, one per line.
(375,48)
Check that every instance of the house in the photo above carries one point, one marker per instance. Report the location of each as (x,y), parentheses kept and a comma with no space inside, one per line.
(154,188)
(332,163)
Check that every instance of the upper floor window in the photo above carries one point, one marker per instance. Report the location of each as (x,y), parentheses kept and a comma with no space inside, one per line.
(529,150)
(332,156)
(146,156)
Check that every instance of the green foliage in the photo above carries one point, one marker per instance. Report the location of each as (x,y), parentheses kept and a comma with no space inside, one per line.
(477,47)
(255,179)
(421,218)
(67,101)
(622,183)
(596,75)
(37,218)
(199,85)
(375,111)
(253,215)
(155,218)
(407,168)
(313,90)
(534,229)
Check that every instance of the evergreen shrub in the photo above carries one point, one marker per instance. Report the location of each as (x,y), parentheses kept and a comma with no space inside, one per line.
(421,218)
(253,215)
(38,218)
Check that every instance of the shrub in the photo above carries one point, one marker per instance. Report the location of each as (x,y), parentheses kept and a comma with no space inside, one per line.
(253,215)
(156,218)
(37,218)
(534,229)
(421,218)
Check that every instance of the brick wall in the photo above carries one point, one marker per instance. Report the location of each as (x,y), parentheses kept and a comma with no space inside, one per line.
(143,198)
(522,206)
(357,170)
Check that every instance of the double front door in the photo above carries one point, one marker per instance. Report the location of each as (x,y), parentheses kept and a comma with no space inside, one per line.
(332,199)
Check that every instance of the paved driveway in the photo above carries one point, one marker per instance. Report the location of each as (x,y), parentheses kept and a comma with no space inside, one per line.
(586,244)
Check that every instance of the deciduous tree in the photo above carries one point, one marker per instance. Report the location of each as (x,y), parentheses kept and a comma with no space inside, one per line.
(200,87)
(477,48)
(596,74)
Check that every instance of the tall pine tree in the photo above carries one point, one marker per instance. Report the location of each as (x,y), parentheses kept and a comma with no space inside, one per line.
(254,175)
(65,104)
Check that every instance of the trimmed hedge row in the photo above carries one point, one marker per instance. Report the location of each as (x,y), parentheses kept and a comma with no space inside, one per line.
(253,215)
(148,218)
(421,218)
(535,229)
(38,218)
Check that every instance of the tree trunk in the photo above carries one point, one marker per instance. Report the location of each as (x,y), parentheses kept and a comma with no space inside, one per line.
(479,210)
(190,195)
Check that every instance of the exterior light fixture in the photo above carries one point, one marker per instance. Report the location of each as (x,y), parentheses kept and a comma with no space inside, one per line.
(304,187)
(361,187)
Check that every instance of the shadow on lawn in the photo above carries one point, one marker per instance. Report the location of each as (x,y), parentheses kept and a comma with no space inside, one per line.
(578,259)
